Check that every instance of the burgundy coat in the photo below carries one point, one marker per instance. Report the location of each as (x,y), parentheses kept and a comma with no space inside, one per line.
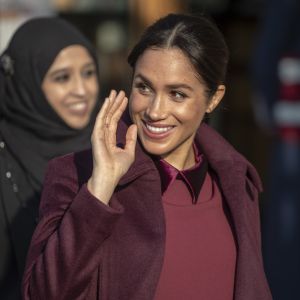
(83,249)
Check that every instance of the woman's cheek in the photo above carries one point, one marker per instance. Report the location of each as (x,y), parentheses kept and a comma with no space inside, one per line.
(188,112)
(133,107)
(137,103)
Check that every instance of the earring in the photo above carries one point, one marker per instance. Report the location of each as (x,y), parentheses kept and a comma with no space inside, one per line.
(208,110)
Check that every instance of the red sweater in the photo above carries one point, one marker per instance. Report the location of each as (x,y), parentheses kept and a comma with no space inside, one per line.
(200,252)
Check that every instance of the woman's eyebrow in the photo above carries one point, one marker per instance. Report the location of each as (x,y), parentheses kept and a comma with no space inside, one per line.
(172,86)
(179,85)
(58,71)
(66,69)
(143,78)
(89,64)
(169,86)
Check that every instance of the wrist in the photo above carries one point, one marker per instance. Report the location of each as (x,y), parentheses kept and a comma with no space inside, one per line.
(101,188)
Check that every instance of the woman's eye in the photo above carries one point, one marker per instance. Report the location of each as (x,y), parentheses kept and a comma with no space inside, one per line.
(89,73)
(143,88)
(177,95)
(62,78)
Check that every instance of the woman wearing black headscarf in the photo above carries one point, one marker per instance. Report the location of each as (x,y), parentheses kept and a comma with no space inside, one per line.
(48,99)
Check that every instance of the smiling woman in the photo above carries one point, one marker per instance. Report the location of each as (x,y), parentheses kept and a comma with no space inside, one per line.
(161,207)
(49,97)
(168,104)
(70,86)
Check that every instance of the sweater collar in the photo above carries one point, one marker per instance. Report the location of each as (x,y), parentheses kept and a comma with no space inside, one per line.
(193,177)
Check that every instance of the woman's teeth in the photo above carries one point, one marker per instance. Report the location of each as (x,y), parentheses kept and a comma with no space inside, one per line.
(158,129)
(78,106)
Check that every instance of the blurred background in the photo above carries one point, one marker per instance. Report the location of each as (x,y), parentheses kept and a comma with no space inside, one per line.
(260,114)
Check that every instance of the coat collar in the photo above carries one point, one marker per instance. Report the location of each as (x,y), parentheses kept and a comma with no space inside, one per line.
(219,153)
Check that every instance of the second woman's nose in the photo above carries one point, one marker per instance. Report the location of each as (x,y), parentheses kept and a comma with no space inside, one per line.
(78,86)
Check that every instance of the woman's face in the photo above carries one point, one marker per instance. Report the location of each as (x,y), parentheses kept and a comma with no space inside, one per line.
(71,86)
(167,103)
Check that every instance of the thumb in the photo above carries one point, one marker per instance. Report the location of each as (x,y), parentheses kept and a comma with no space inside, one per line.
(131,137)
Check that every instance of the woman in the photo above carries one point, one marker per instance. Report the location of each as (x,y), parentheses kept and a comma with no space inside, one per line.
(49,90)
(172,216)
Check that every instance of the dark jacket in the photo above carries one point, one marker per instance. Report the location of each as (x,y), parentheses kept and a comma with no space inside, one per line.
(83,249)
(18,218)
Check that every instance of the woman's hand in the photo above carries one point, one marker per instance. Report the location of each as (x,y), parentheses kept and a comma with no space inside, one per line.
(110,162)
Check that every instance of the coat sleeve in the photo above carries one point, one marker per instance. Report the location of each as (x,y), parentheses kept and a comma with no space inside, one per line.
(65,249)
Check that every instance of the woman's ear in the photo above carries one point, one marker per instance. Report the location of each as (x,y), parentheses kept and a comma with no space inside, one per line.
(216,98)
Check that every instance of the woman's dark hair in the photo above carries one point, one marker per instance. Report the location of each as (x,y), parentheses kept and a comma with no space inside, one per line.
(197,37)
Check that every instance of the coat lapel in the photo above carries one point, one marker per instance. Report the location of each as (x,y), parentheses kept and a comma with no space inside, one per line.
(235,173)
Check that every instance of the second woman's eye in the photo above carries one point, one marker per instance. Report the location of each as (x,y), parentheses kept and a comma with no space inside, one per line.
(89,73)
(62,78)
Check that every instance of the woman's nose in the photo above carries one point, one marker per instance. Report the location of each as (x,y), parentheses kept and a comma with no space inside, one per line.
(78,87)
(157,109)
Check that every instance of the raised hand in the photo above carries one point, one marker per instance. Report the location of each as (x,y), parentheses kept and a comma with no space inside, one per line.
(110,162)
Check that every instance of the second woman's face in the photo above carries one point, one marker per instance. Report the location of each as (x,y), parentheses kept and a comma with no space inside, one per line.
(167,103)
(71,86)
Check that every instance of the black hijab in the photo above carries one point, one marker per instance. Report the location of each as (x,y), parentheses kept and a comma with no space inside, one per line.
(32,130)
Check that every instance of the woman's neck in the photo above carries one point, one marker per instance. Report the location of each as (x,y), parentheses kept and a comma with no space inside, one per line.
(182,162)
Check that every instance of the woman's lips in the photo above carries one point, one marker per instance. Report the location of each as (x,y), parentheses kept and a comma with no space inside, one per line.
(78,108)
(157,131)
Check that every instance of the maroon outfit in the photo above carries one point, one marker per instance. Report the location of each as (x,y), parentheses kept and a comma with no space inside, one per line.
(83,249)
(200,252)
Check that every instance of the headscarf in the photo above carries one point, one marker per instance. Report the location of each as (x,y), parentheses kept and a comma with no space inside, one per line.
(32,130)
